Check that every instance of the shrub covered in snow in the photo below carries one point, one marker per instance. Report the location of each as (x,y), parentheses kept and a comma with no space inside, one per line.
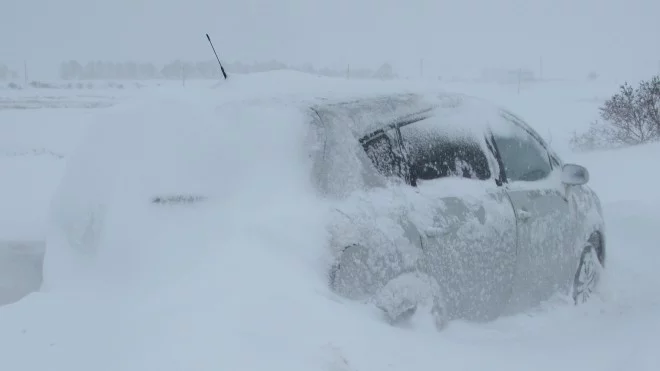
(632,116)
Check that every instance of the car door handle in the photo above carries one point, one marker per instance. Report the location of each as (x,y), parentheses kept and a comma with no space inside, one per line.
(523,215)
(435,232)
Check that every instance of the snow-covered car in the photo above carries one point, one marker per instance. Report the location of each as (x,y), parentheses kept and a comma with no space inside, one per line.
(435,201)
(489,220)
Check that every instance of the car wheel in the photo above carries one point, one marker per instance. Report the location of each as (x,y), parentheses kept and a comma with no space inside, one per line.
(404,296)
(351,276)
(399,295)
(588,273)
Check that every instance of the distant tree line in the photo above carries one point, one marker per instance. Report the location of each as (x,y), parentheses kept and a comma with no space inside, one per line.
(178,69)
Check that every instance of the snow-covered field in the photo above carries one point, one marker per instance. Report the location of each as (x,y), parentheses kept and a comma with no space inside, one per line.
(232,290)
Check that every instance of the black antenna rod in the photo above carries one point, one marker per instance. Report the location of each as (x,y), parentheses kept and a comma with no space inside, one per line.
(224,74)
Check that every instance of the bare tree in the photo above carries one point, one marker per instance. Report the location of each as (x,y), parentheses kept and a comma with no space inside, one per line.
(625,114)
(632,116)
(649,101)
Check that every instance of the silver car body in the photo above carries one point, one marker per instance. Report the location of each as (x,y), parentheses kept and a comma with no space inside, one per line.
(494,246)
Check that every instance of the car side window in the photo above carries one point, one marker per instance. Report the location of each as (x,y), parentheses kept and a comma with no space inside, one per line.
(523,157)
(433,154)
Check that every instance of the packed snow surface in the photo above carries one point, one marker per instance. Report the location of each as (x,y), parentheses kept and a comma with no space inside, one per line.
(237,278)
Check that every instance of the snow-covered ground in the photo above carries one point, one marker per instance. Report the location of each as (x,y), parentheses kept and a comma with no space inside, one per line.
(235,290)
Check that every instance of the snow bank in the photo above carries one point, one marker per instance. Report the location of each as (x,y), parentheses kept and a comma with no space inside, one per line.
(33,145)
(247,173)
(627,171)
(27,186)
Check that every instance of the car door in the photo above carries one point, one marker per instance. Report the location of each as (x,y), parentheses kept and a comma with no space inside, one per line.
(470,245)
(533,183)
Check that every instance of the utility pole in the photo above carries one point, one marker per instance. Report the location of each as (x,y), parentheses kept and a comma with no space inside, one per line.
(519,78)
(25,73)
(541,68)
(348,72)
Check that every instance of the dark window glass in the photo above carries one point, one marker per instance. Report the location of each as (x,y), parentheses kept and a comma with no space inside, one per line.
(523,156)
(434,154)
(423,152)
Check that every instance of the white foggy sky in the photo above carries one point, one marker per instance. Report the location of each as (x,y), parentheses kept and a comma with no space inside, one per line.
(620,38)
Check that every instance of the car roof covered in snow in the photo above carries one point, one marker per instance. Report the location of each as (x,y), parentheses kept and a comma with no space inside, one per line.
(366,105)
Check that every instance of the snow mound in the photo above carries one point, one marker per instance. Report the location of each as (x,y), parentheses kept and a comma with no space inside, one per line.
(110,218)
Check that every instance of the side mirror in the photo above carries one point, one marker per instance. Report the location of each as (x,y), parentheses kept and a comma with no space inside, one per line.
(572,174)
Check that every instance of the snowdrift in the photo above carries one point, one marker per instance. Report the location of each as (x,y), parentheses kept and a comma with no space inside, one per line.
(230,169)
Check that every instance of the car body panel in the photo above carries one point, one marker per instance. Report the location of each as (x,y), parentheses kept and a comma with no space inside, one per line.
(547,224)
(471,250)
(544,231)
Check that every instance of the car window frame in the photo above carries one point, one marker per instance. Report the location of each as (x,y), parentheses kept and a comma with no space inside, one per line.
(514,120)
(393,140)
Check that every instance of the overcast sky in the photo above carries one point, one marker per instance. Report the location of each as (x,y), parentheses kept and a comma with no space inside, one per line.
(454,37)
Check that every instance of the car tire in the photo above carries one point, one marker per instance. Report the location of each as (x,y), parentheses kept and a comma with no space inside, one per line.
(399,295)
(351,276)
(404,296)
(588,273)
